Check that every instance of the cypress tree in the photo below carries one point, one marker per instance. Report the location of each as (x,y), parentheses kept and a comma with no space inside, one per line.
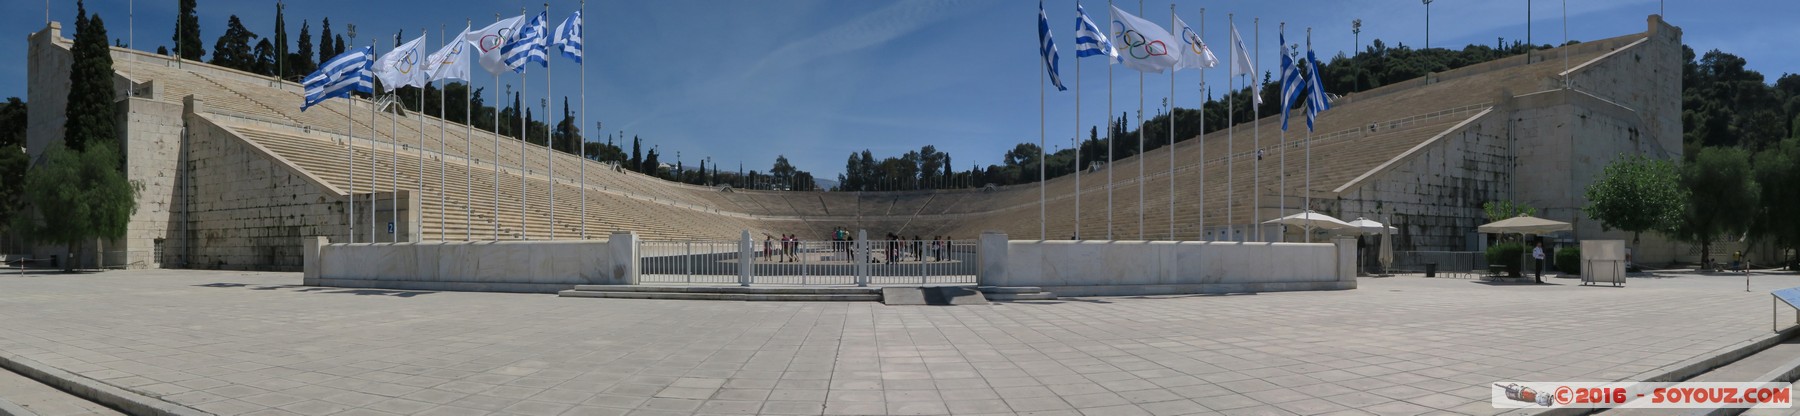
(339,48)
(326,52)
(301,59)
(637,155)
(282,67)
(89,115)
(187,32)
(264,58)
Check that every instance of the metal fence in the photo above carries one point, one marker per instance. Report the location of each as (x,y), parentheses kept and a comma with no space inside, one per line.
(772,261)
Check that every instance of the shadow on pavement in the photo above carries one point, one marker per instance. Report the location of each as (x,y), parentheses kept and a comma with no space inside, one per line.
(316,289)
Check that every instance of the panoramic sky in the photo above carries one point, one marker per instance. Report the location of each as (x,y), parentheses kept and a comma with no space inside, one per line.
(744,81)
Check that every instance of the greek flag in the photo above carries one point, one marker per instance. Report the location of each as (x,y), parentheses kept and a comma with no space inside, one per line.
(1089,40)
(528,46)
(1291,84)
(1316,101)
(1047,48)
(568,37)
(347,73)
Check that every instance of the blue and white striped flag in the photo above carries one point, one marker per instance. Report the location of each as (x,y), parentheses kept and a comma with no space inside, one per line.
(1316,101)
(568,37)
(1047,47)
(1089,40)
(347,73)
(1291,85)
(528,46)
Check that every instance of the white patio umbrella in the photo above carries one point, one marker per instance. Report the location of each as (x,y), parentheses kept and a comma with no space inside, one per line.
(1367,226)
(1387,248)
(1310,220)
(1524,225)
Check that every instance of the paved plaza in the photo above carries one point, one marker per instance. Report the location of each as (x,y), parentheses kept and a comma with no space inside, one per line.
(256,343)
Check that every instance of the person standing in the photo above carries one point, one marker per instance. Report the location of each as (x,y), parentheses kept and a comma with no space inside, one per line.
(1537,254)
(768,246)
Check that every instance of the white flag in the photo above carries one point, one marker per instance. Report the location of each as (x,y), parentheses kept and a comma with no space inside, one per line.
(1194,53)
(1240,62)
(1143,46)
(402,67)
(490,39)
(451,61)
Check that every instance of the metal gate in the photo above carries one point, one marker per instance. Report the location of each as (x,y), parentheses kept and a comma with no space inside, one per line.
(775,262)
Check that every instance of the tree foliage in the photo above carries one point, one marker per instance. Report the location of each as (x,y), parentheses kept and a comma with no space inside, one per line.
(326,50)
(187,32)
(233,49)
(78,196)
(89,117)
(13,160)
(1778,174)
(1723,197)
(1500,210)
(1637,194)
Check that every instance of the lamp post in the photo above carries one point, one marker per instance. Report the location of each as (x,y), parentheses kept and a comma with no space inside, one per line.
(1427,23)
(1356,34)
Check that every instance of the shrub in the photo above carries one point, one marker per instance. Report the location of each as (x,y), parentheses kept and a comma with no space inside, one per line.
(1507,254)
(1568,259)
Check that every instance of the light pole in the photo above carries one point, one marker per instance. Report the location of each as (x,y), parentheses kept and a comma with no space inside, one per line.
(1427,23)
(1356,34)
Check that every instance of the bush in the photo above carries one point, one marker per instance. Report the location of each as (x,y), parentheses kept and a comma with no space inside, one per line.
(1507,254)
(1568,259)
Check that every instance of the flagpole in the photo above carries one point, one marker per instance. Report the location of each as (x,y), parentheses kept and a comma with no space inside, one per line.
(1078,125)
(1256,133)
(1043,220)
(424,36)
(523,226)
(1171,136)
(1202,216)
(1309,131)
(1231,132)
(1110,140)
(373,157)
(1140,154)
(582,119)
(350,143)
(468,143)
(443,151)
(496,218)
(1282,173)
(549,138)
(394,160)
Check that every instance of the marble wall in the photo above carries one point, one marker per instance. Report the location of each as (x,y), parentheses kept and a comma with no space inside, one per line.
(1122,268)
(487,266)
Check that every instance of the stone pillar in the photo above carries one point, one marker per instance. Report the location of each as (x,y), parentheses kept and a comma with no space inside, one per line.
(990,259)
(312,260)
(1346,259)
(859,253)
(746,259)
(623,248)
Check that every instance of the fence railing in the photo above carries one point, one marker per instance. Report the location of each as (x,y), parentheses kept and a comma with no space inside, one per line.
(775,262)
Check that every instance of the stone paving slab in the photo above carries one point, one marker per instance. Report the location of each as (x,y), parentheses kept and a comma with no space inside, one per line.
(256,343)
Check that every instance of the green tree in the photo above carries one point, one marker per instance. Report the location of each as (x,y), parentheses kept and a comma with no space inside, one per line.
(281,68)
(1722,199)
(1500,210)
(326,51)
(232,49)
(637,155)
(301,61)
(264,62)
(89,117)
(13,160)
(187,32)
(78,196)
(1637,194)
(1778,174)
(783,172)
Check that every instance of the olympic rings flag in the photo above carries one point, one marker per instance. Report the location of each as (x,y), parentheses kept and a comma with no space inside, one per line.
(490,39)
(1194,53)
(401,66)
(451,61)
(1143,45)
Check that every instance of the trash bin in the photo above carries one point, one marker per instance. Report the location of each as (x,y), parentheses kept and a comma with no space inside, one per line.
(1430,269)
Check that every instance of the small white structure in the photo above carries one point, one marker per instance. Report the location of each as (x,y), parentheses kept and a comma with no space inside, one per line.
(1603,261)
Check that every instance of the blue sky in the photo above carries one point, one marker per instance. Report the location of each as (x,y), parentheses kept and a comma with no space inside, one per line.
(744,81)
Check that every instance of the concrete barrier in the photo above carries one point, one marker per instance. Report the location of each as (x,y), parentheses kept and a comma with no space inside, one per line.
(1124,268)
(487,266)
